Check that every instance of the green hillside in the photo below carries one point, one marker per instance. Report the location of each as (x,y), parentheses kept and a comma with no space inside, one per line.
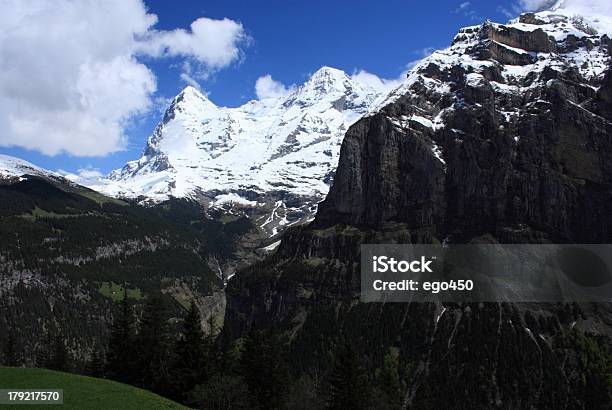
(81,392)
(67,253)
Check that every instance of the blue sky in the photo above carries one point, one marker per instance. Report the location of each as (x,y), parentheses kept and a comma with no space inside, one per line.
(288,40)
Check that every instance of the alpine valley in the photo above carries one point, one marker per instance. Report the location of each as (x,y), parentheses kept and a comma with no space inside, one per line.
(503,137)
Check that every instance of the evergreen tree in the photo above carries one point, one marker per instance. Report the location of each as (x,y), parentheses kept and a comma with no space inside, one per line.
(225,392)
(96,365)
(349,387)
(214,350)
(224,354)
(153,349)
(388,381)
(120,356)
(305,392)
(190,358)
(264,369)
(10,352)
(60,358)
(43,353)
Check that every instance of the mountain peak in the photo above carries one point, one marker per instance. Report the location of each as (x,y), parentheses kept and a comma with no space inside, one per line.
(191,90)
(324,81)
(328,74)
(263,149)
(190,101)
(190,93)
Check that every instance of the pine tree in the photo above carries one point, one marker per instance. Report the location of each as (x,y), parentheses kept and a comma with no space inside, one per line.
(223,392)
(43,353)
(388,381)
(224,354)
(60,358)
(305,392)
(214,349)
(264,369)
(349,387)
(153,349)
(10,352)
(190,358)
(120,356)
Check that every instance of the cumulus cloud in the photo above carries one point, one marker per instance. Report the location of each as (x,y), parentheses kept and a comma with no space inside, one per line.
(267,87)
(214,43)
(84,176)
(377,83)
(70,75)
(386,85)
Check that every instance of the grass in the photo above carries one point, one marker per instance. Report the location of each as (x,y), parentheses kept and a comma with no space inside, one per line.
(81,392)
(115,292)
(226,218)
(100,198)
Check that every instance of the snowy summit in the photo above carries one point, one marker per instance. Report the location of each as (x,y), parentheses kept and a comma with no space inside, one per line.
(287,145)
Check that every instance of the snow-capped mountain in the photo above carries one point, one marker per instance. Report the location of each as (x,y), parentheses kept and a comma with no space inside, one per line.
(521,101)
(11,167)
(278,154)
(512,56)
(287,146)
(14,170)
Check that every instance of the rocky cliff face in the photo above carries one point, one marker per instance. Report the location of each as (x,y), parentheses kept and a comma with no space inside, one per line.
(478,146)
(503,137)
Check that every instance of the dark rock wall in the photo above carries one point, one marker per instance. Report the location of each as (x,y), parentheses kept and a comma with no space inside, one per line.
(546,169)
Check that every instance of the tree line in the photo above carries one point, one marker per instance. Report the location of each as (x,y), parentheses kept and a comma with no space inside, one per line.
(150,349)
(207,370)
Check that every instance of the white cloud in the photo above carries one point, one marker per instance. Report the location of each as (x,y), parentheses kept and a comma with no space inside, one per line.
(84,176)
(188,75)
(386,85)
(464,5)
(214,43)
(187,78)
(70,78)
(267,87)
(377,83)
